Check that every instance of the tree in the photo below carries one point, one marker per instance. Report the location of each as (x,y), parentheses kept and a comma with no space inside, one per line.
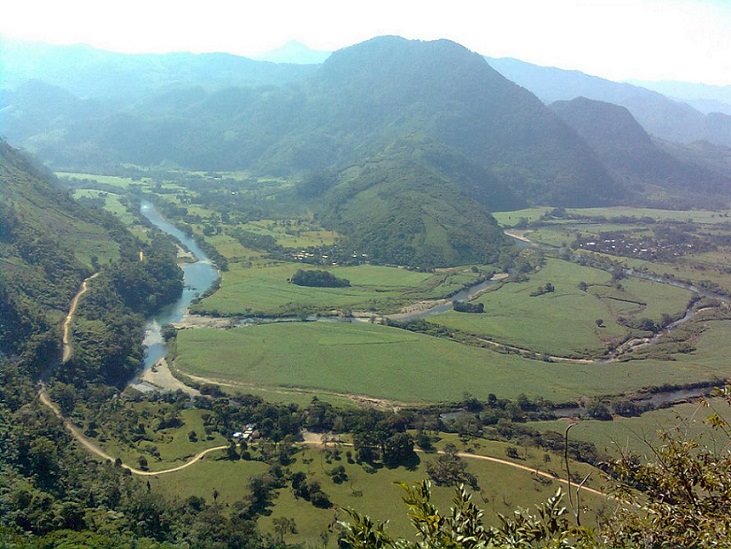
(398,449)
(284,526)
(448,469)
(685,491)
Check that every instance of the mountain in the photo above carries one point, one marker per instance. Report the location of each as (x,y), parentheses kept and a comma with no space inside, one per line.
(365,97)
(296,53)
(93,73)
(704,97)
(662,117)
(626,148)
(389,118)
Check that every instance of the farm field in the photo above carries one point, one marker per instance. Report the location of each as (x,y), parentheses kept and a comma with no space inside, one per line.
(563,322)
(393,364)
(511,218)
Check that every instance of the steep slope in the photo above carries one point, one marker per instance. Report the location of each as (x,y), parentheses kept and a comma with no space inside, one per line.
(48,244)
(366,96)
(623,145)
(415,204)
(43,258)
(660,116)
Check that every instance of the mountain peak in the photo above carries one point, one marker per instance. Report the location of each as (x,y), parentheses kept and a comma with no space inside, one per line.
(296,53)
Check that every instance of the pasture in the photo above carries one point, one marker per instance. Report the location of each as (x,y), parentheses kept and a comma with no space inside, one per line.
(262,286)
(639,434)
(394,364)
(563,322)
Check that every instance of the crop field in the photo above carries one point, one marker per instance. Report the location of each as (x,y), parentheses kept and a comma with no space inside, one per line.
(511,218)
(388,363)
(563,322)
(113,180)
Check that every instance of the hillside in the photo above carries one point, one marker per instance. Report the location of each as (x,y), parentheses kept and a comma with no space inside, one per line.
(660,116)
(365,97)
(625,147)
(48,241)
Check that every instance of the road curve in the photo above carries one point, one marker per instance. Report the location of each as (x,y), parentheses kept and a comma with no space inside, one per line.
(467,455)
(85,442)
(95,449)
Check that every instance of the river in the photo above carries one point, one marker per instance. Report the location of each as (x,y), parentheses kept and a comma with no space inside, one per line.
(198,277)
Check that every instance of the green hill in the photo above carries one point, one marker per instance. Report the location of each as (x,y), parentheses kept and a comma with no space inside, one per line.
(48,244)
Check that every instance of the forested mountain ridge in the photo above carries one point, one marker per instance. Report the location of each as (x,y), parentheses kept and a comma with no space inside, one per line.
(626,148)
(475,142)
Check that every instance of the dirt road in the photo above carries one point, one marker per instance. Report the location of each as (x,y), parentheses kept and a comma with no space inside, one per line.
(316,439)
(67,347)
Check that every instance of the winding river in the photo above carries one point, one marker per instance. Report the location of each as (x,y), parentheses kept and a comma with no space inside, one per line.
(198,277)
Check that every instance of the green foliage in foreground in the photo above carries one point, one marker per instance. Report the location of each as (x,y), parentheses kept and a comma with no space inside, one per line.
(462,526)
(681,498)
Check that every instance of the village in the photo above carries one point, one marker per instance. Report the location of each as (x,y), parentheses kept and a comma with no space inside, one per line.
(645,247)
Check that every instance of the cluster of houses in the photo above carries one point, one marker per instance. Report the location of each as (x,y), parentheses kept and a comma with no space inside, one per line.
(322,259)
(248,432)
(646,248)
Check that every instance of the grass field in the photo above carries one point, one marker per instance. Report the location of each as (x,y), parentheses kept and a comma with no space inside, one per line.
(213,472)
(393,364)
(564,322)
(262,286)
(172,444)
(501,488)
(509,219)
(637,434)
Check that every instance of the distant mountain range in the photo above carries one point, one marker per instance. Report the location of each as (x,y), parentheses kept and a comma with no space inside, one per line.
(403,146)
(704,97)
(660,116)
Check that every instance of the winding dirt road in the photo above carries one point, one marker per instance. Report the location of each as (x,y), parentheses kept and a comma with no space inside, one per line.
(313,439)
(68,349)
(85,442)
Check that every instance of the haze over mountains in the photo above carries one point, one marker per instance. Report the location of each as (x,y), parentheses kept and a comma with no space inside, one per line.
(660,116)
(404,146)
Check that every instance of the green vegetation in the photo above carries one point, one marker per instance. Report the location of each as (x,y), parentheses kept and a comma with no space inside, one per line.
(394,364)
(318,279)
(262,287)
(562,322)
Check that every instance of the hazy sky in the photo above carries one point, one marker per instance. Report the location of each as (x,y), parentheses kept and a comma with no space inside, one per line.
(620,39)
